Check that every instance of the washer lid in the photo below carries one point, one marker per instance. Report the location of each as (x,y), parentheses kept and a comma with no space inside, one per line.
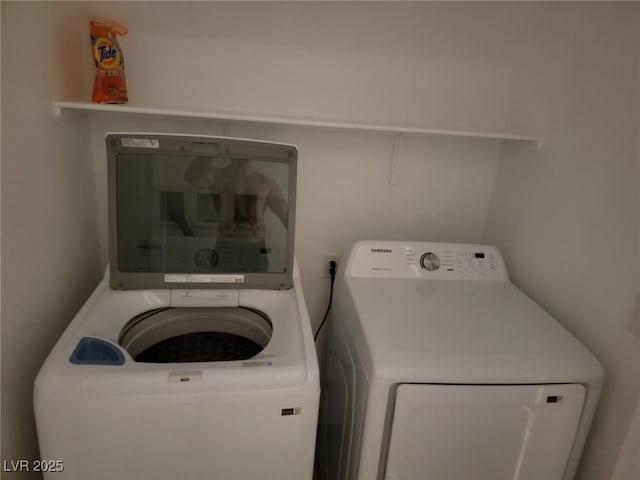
(200,212)
(461,331)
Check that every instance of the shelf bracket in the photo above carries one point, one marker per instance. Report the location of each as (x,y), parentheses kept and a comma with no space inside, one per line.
(394,169)
(59,112)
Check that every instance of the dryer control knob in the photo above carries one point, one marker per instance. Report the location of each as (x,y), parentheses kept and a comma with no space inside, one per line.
(430,261)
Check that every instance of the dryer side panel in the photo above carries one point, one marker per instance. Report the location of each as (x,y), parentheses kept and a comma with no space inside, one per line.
(458,432)
(338,410)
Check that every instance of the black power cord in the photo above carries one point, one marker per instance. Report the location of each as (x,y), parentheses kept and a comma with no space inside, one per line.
(332,272)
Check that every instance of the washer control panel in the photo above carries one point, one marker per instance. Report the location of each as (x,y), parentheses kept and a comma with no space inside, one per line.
(427,260)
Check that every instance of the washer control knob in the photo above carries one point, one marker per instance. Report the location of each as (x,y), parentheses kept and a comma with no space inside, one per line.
(430,261)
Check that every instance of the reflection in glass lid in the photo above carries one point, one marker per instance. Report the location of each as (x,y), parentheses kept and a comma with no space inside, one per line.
(191,206)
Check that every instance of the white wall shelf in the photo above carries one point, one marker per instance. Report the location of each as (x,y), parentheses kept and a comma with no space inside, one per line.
(399,131)
(61,107)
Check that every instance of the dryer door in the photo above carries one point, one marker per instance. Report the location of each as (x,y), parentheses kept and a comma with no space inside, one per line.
(483,432)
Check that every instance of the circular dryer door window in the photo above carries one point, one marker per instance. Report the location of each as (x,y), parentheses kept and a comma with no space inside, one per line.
(177,335)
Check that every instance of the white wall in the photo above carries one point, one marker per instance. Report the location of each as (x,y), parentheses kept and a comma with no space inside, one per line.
(567,218)
(628,464)
(450,65)
(50,251)
(382,61)
(375,63)
(343,189)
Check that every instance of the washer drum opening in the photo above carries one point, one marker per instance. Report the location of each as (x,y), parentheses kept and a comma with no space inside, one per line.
(196,334)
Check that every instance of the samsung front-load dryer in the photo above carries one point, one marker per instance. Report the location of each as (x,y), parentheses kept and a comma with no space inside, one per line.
(194,357)
(439,368)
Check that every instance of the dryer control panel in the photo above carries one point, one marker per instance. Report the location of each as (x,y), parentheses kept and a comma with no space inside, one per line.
(428,260)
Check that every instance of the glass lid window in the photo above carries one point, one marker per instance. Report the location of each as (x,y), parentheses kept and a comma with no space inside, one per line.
(201,213)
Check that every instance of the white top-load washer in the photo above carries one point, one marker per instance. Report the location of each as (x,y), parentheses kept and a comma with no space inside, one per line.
(194,357)
(439,368)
